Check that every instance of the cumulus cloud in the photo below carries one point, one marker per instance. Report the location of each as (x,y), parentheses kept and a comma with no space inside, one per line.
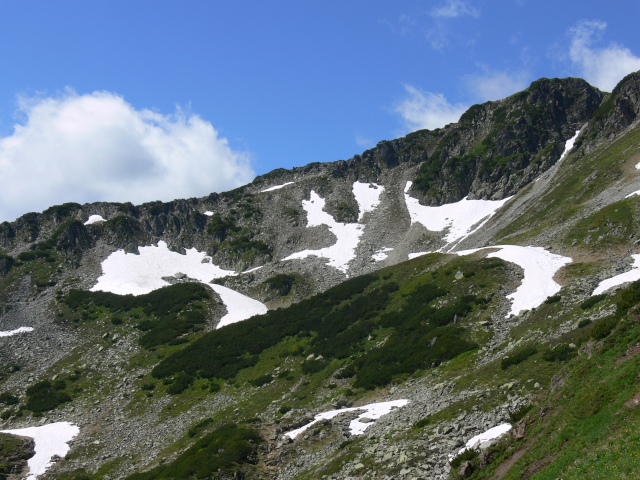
(427,110)
(603,67)
(496,84)
(98,147)
(455,8)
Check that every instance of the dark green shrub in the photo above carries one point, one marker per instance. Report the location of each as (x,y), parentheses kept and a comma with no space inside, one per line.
(468,455)
(519,414)
(518,357)
(198,427)
(8,399)
(584,323)
(284,409)
(553,299)
(281,283)
(46,395)
(148,386)
(422,423)
(561,353)
(313,366)
(604,327)
(180,383)
(591,301)
(261,380)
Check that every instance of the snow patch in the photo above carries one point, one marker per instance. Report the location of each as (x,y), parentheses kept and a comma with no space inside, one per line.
(630,276)
(208,213)
(127,273)
(239,307)
(277,187)
(347,234)
(417,254)
(568,146)
(94,219)
(478,440)
(638,166)
(368,197)
(539,267)
(459,219)
(373,411)
(381,254)
(50,440)
(16,331)
(637,192)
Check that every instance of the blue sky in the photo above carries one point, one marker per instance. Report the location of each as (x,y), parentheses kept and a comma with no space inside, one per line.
(143,100)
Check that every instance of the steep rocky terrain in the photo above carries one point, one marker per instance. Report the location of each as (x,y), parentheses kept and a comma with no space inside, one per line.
(450,270)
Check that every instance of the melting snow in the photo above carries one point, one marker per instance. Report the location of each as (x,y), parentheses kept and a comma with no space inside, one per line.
(50,440)
(277,187)
(373,411)
(94,219)
(569,145)
(637,192)
(638,166)
(418,254)
(239,307)
(16,331)
(459,218)
(630,276)
(539,268)
(478,440)
(368,197)
(381,254)
(127,273)
(347,235)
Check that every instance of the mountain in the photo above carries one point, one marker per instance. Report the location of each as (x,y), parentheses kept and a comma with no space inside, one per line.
(365,318)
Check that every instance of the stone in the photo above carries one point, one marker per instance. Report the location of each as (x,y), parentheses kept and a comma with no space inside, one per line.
(465,470)
(459,275)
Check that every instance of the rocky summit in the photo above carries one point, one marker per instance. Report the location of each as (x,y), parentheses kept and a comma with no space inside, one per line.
(456,303)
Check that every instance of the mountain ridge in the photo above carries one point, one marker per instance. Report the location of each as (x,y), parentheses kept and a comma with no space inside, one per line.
(381,221)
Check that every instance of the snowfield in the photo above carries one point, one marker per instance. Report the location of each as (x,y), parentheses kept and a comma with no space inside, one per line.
(373,411)
(277,187)
(368,197)
(94,219)
(127,273)
(478,440)
(347,235)
(630,276)
(50,440)
(459,219)
(16,331)
(341,253)
(539,267)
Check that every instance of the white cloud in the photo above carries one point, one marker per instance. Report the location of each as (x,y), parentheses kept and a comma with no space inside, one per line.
(94,147)
(455,8)
(427,110)
(603,67)
(496,84)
